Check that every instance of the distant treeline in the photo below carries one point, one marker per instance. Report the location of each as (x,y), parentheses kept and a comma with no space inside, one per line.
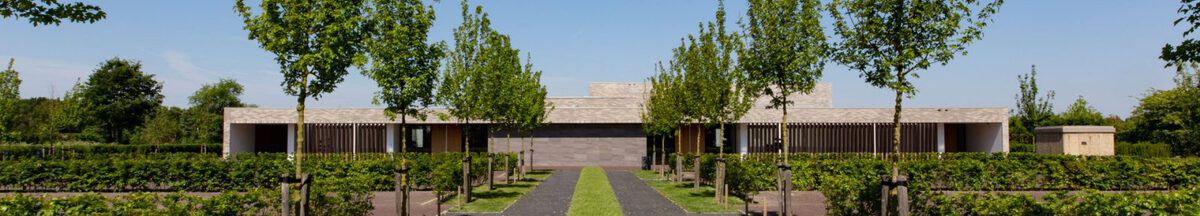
(118,103)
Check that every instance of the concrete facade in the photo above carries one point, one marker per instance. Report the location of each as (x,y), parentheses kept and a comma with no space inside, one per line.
(1076,140)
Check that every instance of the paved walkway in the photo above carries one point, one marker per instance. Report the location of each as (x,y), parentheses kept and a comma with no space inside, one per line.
(639,199)
(551,197)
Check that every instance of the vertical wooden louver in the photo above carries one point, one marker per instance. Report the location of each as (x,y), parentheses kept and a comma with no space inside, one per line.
(842,137)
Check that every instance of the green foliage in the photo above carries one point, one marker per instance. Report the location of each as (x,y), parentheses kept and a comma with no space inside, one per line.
(402,62)
(162,127)
(850,182)
(888,42)
(1143,149)
(1180,202)
(785,50)
(1170,116)
(663,111)
(1032,109)
(1188,51)
(28,120)
(1022,147)
(481,72)
(214,98)
(593,195)
(204,172)
(1080,113)
(50,12)
(120,96)
(252,202)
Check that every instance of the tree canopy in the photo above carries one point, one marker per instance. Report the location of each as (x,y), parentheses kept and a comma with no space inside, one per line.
(1033,109)
(888,42)
(785,52)
(1189,49)
(402,62)
(314,41)
(120,96)
(50,12)
(1171,115)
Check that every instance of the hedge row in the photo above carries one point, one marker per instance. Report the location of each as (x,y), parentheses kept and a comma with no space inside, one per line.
(243,172)
(88,151)
(1180,202)
(1143,149)
(253,202)
(851,182)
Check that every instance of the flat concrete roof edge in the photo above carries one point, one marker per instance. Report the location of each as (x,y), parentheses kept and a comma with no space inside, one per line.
(1076,129)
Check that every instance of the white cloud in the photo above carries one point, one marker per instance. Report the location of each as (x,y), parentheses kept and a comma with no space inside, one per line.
(45,77)
(182,64)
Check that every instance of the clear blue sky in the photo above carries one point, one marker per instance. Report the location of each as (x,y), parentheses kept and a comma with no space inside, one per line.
(1105,51)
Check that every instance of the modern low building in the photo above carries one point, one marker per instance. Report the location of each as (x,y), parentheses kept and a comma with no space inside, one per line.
(604,128)
(1076,140)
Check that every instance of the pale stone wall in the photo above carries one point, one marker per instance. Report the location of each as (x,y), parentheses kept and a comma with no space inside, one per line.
(1076,140)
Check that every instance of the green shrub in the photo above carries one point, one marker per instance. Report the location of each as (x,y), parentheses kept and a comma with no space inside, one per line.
(1179,202)
(1022,147)
(850,182)
(88,151)
(1143,149)
(242,172)
(325,201)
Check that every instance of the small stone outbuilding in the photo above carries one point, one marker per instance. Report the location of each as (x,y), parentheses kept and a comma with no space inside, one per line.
(1076,140)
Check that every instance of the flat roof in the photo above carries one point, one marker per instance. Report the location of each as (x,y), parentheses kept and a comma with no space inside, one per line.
(630,115)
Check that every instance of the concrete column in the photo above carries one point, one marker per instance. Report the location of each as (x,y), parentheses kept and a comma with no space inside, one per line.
(743,138)
(941,137)
(391,138)
(354,138)
(291,141)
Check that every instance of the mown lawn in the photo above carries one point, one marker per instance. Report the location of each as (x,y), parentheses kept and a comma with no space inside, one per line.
(488,201)
(593,195)
(681,194)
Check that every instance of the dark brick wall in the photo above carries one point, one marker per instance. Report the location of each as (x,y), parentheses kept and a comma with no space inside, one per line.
(571,145)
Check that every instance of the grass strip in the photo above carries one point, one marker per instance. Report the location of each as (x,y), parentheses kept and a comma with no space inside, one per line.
(491,201)
(681,194)
(593,194)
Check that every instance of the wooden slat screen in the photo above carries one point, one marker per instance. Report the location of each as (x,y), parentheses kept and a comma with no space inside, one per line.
(842,137)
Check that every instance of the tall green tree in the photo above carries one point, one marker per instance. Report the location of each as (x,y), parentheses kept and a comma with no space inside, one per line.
(315,42)
(1032,109)
(661,114)
(70,118)
(204,119)
(532,107)
(10,94)
(403,64)
(478,72)
(889,41)
(785,52)
(120,97)
(50,12)
(1171,116)
(1080,113)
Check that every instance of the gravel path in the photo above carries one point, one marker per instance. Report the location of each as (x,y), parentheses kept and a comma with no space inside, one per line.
(551,197)
(639,199)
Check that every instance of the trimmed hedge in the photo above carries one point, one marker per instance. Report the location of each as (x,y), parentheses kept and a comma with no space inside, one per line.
(1180,202)
(253,202)
(851,182)
(88,151)
(243,172)
(1143,149)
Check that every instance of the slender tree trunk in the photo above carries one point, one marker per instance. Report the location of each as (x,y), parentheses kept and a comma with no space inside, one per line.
(699,151)
(507,151)
(896,128)
(300,120)
(466,163)
(662,150)
(783,131)
(404,164)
